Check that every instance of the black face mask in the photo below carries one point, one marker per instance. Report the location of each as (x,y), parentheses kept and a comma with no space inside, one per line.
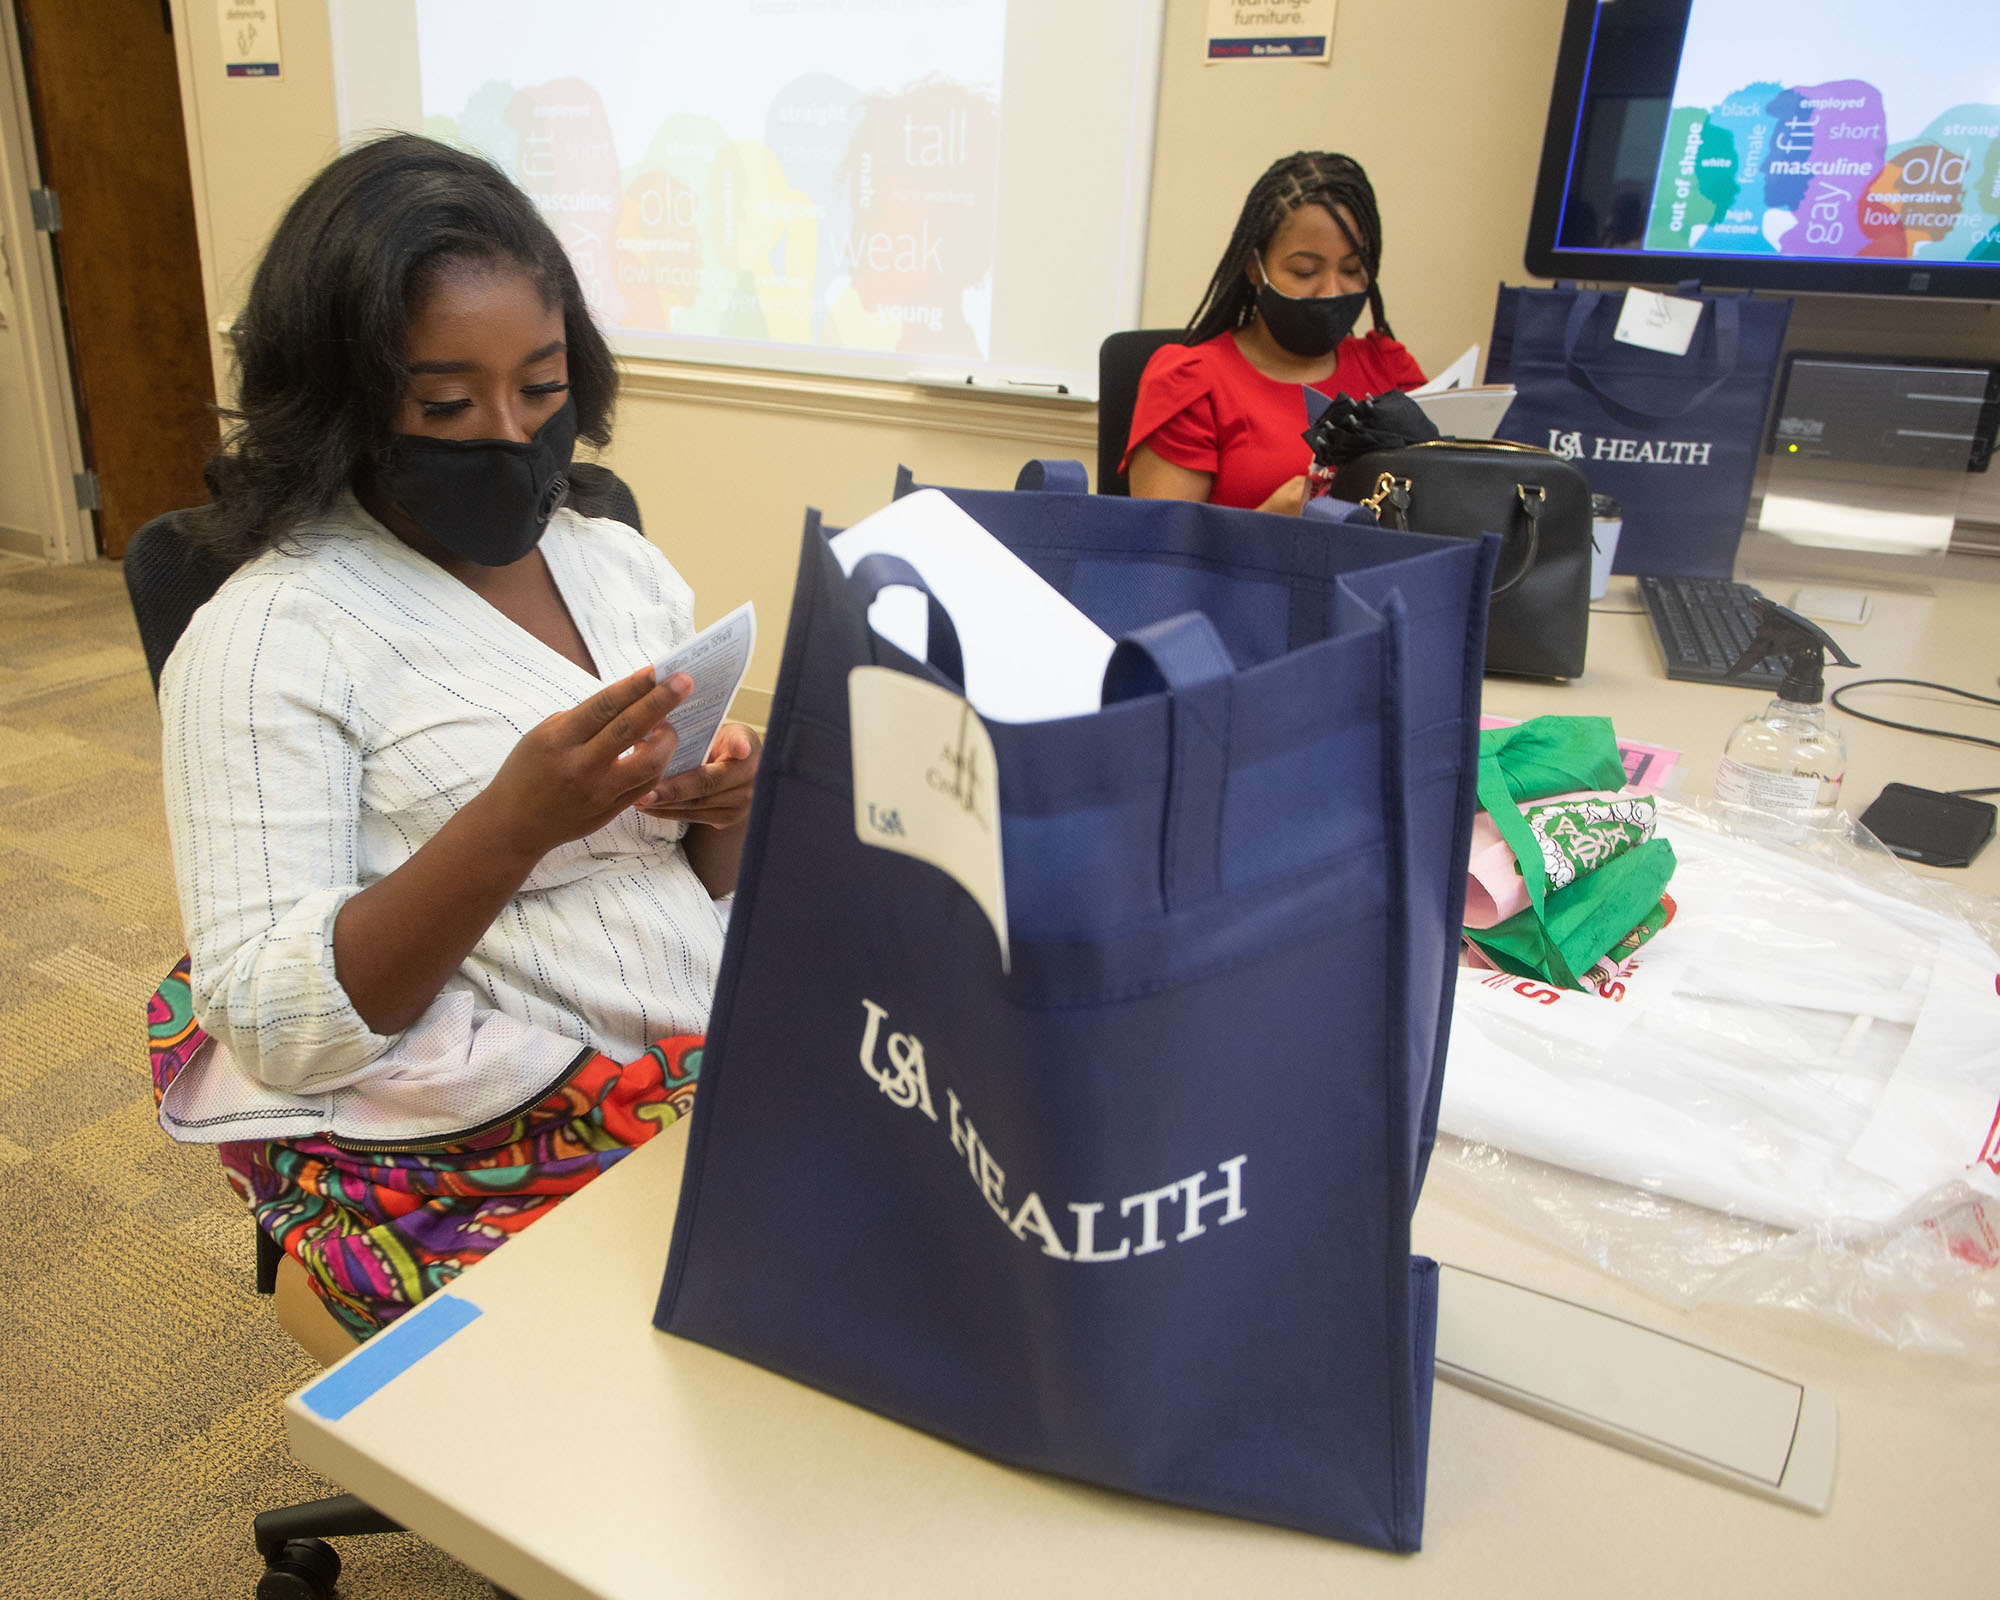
(487,500)
(1309,325)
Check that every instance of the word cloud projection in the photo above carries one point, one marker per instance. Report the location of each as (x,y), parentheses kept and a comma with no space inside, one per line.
(1792,134)
(816,173)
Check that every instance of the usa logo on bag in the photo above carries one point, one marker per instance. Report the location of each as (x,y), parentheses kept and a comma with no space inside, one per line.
(899,1072)
(1648,452)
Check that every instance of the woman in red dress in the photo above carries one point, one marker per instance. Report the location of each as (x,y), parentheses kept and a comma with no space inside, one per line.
(1219,417)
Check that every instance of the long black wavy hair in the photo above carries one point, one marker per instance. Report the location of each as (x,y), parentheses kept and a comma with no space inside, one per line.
(1309,178)
(321,357)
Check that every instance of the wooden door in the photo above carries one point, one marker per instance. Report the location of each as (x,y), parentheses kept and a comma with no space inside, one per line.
(105,95)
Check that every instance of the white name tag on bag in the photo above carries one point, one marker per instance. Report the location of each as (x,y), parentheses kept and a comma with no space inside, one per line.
(926,783)
(1660,322)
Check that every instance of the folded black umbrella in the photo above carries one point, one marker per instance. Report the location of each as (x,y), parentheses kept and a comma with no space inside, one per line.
(1348,428)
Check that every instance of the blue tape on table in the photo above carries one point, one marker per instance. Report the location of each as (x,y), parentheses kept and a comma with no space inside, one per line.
(388,1355)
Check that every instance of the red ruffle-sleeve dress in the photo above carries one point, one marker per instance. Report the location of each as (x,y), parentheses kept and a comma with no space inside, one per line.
(1204,407)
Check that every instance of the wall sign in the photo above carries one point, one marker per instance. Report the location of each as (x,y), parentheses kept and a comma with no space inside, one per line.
(249,35)
(1277,30)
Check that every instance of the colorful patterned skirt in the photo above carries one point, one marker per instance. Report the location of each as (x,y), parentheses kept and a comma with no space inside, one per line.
(376,1231)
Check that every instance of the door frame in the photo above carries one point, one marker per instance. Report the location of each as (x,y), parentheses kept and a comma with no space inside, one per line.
(71,531)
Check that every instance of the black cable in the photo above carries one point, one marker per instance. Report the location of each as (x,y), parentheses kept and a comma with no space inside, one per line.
(1912,727)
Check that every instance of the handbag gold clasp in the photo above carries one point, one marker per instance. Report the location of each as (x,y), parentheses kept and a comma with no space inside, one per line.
(1386,485)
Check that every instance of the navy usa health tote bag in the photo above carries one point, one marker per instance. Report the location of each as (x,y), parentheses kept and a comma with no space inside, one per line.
(1137,1210)
(1674,439)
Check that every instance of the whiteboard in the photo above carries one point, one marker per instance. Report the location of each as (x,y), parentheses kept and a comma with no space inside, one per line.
(898,189)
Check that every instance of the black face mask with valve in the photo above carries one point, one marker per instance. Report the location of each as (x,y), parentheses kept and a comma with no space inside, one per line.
(487,500)
(1309,326)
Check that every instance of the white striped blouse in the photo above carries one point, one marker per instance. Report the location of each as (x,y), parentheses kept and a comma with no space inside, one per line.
(323,716)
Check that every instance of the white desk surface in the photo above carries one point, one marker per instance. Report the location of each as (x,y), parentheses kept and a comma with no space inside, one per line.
(562,1446)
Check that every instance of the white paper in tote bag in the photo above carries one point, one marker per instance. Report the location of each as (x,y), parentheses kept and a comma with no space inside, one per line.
(1030,656)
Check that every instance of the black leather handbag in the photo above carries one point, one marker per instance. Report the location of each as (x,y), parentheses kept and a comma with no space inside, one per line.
(1536,501)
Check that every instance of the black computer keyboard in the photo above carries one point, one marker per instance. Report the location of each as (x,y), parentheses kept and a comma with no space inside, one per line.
(1704,625)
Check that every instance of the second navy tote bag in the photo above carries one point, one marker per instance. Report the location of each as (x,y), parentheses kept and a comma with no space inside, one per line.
(1135,1208)
(1674,439)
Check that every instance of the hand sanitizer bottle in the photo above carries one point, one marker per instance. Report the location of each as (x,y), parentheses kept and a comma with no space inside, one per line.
(1787,759)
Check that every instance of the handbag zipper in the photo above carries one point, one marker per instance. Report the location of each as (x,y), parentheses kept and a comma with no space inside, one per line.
(1480,444)
(392,1147)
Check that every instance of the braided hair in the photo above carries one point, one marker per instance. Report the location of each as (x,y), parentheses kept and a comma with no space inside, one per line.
(1311,177)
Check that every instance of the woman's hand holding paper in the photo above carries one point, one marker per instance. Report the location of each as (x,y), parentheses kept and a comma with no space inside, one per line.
(572,773)
(716,793)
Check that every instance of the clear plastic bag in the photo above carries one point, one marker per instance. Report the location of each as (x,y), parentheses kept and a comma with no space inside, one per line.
(1791,1097)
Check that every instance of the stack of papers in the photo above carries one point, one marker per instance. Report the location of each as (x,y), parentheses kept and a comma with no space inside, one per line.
(1459,407)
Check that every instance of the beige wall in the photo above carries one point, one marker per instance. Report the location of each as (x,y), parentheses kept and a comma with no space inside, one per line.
(1442,100)
(724,462)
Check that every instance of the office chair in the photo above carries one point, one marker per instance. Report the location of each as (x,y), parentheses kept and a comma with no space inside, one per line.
(1121,360)
(169,579)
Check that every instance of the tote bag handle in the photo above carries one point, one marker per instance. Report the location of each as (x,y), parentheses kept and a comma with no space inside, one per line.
(1053,475)
(1725,336)
(1186,657)
(1328,508)
(874,573)
(1041,475)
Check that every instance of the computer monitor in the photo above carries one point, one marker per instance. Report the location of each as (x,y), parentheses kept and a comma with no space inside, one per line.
(1825,146)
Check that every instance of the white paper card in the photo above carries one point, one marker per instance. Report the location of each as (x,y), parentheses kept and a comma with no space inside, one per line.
(1473,413)
(926,783)
(716,658)
(1660,322)
(1029,654)
(1461,374)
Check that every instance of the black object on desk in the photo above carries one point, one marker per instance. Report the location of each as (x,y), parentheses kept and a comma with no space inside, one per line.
(1940,830)
(1703,626)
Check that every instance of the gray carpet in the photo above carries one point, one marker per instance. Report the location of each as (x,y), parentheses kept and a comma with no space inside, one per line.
(141,1376)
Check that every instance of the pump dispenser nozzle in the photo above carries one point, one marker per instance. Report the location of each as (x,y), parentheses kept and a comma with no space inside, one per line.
(1787,758)
(1803,646)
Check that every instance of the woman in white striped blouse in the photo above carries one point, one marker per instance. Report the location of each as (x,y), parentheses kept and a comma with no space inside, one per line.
(451,933)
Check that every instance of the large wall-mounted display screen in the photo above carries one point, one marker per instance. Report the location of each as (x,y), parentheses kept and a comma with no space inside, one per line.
(1833,145)
(883,188)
